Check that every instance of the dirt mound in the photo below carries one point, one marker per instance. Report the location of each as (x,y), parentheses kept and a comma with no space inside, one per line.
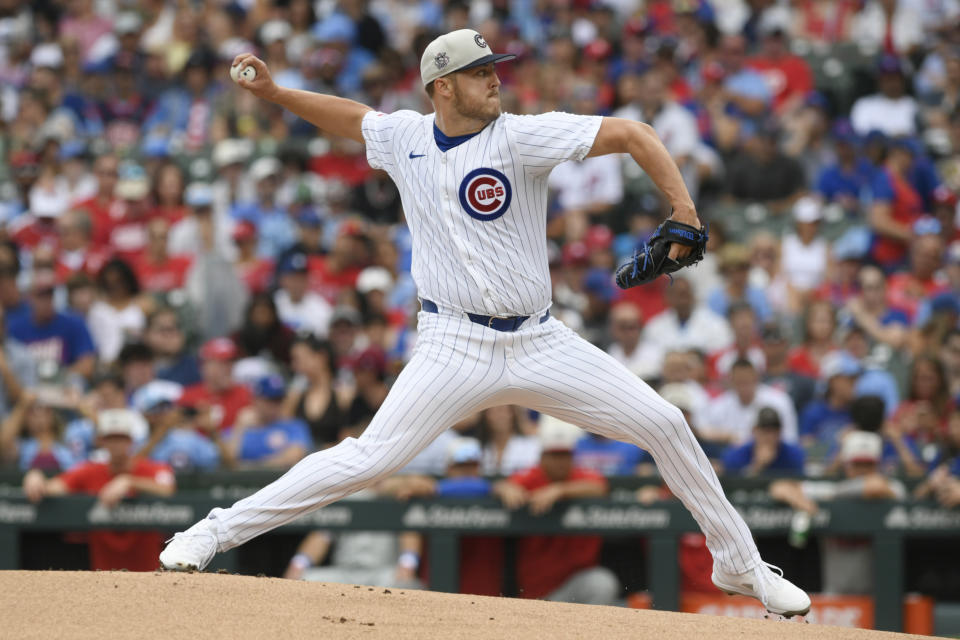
(171,606)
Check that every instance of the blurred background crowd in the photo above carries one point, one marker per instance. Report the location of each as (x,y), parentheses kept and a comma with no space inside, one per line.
(175,247)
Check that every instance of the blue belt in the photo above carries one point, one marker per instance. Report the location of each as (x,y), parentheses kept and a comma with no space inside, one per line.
(497,323)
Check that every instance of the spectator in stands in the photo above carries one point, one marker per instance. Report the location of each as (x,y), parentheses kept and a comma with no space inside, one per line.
(184,112)
(846,563)
(199,230)
(116,318)
(731,416)
(18,370)
(254,271)
(508,446)
(950,356)
(298,307)
(778,372)
(625,329)
(900,451)
(685,324)
(276,231)
(262,333)
(766,452)
(820,324)
(32,436)
(261,438)
(217,398)
(106,392)
(787,74)
(561,568)
(172,360)
(171,440)
(610,457)
(746,345)
(923,414)
(943,483)
(804,251)
(121,475)
(736,289)
(824,419)
(763,173)
(890,111)
(870,310)
(748,92)
(896,208)
(158,270)
(312,397)
(370,388)
(907,290)
(76,252)
(128,236)
(844,181)
(893,27)
(51,336)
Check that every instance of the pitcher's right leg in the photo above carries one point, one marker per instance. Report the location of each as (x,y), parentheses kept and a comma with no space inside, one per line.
(457,369)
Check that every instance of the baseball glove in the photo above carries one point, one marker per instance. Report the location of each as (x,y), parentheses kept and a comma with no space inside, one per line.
(653,260)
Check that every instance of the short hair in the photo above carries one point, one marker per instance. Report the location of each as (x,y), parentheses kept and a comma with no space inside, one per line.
(126,272)
(430,89)
(742,363)
(740,307)
(134,352)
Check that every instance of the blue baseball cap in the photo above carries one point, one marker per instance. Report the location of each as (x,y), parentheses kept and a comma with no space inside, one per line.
(464,451)
(310,217)
(294,263)
(156,395)
(270,387)
(199,194)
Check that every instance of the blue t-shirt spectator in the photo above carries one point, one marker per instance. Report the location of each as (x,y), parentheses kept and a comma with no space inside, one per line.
(60,456)
(260,443)
(834,181)
(790,458)
(756,297)
(823,422)
(64,340)
(184,371)
(466,487)
(187,450)
(609,457)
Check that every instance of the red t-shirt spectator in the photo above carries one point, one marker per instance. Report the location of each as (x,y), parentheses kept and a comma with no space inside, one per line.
(907,292)
(544,563)
(329,283)
(112,550)
(256,275)
(787,77)
(162,276)
(226,404)
(89,263)
(906,207)
(803,362)
(103,215)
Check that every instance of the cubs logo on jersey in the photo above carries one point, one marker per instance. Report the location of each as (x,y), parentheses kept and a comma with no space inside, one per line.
(485,194)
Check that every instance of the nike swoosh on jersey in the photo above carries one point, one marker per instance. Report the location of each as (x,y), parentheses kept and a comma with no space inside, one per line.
(416,155)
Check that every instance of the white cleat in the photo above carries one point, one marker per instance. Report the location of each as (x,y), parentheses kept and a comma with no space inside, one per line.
(777,594)
(191,550)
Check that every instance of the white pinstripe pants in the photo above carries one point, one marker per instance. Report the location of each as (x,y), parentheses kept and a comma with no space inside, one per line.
(458,368)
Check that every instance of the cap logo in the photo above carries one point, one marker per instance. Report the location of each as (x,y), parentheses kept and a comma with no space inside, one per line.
(480,41)
(441,60)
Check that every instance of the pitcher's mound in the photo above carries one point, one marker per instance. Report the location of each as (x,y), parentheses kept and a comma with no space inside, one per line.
(173,606)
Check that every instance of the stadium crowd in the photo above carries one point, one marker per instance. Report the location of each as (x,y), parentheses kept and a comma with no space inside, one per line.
(241,287)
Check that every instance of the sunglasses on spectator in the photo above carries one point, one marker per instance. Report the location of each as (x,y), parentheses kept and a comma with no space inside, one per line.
(43,293)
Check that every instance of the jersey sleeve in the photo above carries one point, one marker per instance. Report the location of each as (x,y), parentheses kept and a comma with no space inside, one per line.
(379,132)
(544,141)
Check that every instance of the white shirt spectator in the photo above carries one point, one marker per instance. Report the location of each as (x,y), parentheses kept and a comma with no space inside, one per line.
(644,361)
(110,327)
(593,181)
(726,414)
(704,330)
(893,117)
(804,264)
(869,28)
(675,125)
(312,312)
(521,453)
(185,238)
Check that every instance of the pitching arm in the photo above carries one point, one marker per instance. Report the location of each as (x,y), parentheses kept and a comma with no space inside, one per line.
(331,114)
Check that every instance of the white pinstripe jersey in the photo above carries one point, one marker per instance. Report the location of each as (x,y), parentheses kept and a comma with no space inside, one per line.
(478,211)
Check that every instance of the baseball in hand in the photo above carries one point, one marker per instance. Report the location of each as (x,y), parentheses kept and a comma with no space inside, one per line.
(248,73)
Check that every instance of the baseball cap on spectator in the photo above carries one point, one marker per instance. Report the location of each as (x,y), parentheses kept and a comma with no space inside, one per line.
(24,162)
(464,451)
(598,50)
(222,349)
(200,59)
(132,183)
(457,51)
(557,435)
(294,263)
(127,22)
(839,364)
(677,394)
(156,395)
(265,167)
(374,279)
(773,21)
(734,255)
(243,231)
(807,209)
(852,245)
(600,283)
(310,217)
(889,64)
(713,71)
(927,226)
(817,100)
(48,55)
(636,26)
(271,387)
(945,196)
(121,422)
(231,151)
(576,254)
(843,132)
(155,146)
(768,418)
(370,359)
(861,446)
(945,302)
(198,194)
(598,237)
(343,313)
(275,30)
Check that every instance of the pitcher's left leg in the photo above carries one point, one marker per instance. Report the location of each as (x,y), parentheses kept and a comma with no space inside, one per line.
(569,378)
